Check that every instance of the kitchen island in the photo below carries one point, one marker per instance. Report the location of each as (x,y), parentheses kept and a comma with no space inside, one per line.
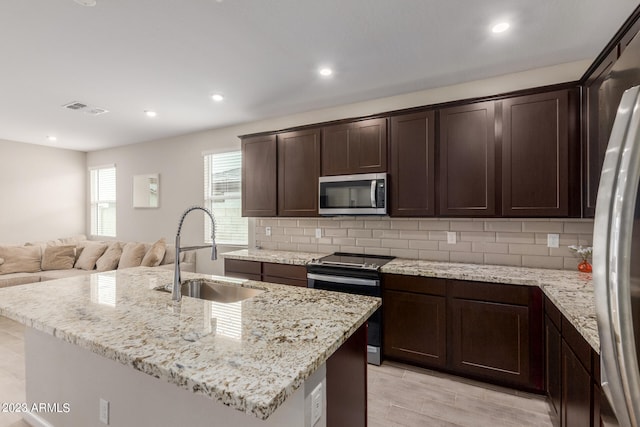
(112,336)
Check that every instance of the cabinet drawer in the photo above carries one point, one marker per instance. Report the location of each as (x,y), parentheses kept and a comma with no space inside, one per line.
(507,294)
(239,266)
(417,284)
(296,272)
(285,281)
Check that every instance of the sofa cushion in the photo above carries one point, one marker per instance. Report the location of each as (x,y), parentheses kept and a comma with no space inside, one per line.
(90,254)
(132,255)
(14,279)
(1,261)
(20,259)
(111,257)
(155,254)
(62,274)
(58,257)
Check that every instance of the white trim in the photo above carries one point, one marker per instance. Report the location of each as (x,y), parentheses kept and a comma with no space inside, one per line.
(111,165)
(35,420)
(213,151)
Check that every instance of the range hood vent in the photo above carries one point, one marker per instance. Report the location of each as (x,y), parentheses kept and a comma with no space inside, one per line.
(87,109)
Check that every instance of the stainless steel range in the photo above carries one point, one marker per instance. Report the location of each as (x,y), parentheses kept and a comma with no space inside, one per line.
(354,274)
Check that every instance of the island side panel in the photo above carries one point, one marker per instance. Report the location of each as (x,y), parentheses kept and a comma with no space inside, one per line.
(347,382)
(59,372)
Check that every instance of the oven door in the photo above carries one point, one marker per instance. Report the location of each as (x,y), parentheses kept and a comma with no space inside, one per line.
(358,286)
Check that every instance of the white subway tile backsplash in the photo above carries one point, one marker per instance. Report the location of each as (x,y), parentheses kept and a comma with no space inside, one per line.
(498,241)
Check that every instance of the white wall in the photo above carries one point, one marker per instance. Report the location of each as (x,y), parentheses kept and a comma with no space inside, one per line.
(178,160)
(42,192)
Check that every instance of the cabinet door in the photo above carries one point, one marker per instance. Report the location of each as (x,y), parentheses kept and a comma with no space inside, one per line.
(259,176)
(553,360)
(415,328)
(595,136)
(298,172)
(412,165)
(576,391)
(535,155)
(358,147)
(467,160)
(490,340)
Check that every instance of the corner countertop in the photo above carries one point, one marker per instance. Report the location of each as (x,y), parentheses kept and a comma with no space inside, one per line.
(278,257)
(251,358)
(571,291)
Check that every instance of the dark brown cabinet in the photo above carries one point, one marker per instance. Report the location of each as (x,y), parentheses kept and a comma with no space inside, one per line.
(576,390)
(415,320)
(295,275)
(259,176)
(553,359)
(298,172)
(357,147)
(412,164)
(467,160)
(539,154)
(494,332)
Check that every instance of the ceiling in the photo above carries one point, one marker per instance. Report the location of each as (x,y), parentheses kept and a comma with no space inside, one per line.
(263,55)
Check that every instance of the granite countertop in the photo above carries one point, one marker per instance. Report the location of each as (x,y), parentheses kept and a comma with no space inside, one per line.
(251,358)
(571,291)
(278,257)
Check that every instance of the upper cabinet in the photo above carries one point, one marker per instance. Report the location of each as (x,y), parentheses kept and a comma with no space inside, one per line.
(298,172)
(356,147)
(412,165)
(540,155)
(259,176)
(467,160)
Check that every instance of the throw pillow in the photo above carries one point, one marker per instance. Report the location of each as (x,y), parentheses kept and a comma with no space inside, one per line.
(132,255)
(169,255)
(154,256)
(109,260)
(90,254)
(58,257)
(20,259)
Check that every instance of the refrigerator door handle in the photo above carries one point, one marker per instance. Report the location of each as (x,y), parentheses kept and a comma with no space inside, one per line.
(612,258)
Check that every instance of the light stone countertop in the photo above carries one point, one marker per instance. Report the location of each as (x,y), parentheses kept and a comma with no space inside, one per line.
(571,291)
(278,257)
(251,358)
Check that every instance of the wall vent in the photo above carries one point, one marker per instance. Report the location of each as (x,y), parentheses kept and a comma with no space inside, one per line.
(87,109)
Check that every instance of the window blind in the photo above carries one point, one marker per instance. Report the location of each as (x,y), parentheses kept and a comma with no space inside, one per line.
(103,201)
(222,195)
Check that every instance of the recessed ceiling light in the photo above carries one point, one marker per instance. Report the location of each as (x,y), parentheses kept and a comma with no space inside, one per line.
(52,138)
(217,97)
(88,3)
(501,27)
(325,71)
(150,113)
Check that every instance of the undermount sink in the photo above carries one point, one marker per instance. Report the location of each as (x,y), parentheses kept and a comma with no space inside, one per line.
(214,291)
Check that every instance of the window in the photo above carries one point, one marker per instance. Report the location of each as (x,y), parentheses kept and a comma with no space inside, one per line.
(103,201)
(222,195)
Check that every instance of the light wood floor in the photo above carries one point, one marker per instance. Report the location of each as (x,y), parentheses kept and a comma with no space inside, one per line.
(399,395)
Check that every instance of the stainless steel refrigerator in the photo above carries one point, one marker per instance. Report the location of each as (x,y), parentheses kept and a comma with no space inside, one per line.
(616,263)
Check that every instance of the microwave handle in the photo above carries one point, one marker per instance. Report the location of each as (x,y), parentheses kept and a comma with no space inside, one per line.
(373,193)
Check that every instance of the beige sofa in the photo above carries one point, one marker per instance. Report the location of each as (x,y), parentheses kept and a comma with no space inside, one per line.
(75,256)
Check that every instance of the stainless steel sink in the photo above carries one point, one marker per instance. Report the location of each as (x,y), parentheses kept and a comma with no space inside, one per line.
(214,291)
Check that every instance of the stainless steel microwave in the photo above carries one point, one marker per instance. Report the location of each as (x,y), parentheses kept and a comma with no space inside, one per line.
(361,194)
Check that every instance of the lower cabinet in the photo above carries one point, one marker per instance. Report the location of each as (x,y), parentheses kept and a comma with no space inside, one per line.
(496,332)
(493,332)
(415,326)
(572,373)
(287,274)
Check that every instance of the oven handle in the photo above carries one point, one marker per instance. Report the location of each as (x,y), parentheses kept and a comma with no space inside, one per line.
(345,280)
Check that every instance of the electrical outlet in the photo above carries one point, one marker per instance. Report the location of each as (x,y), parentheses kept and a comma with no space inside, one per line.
(104,411)
(316,404)
(451,237)
(267,231)
(553,240)
(318,233)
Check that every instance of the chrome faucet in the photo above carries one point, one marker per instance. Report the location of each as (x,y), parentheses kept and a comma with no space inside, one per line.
(176,293)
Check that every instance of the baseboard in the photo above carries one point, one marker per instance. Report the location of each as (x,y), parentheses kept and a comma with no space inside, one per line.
(35,421)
